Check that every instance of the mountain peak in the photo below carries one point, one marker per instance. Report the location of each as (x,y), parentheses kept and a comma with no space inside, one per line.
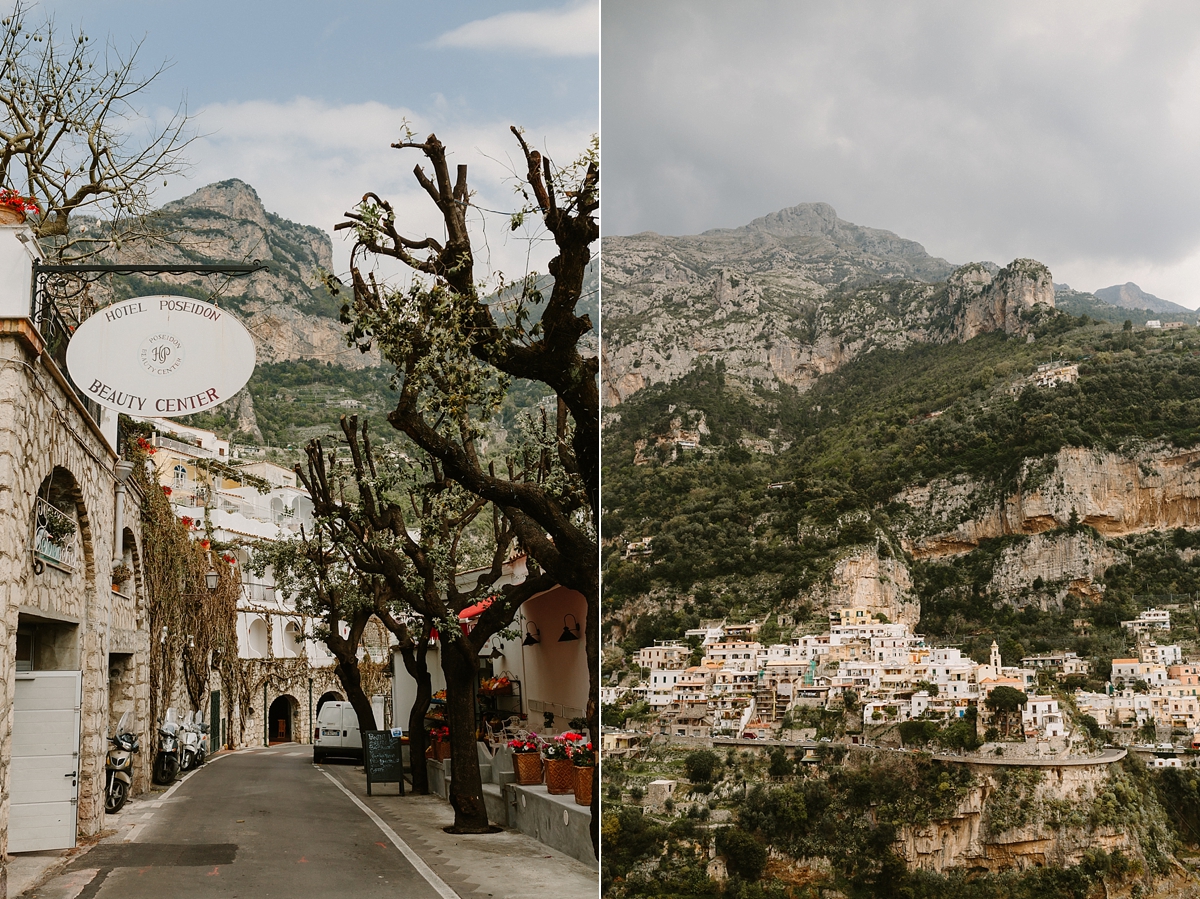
(233,197)
(806,218)
(1130,296)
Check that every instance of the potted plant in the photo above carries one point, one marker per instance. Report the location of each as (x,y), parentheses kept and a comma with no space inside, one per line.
(560,772)
(527,762)
(583,757)
(440,742)
(59,527)
(13,207)
(120,574)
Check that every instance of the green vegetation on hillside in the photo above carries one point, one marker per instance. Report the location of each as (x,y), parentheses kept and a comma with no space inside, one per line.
(738,531)
(850,815)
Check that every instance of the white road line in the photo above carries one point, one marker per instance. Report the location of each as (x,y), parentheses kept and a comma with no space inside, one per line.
(135,833)
(442,888)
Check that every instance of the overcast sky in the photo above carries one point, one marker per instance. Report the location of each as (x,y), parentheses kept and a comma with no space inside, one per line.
(301,98)
(1066,132)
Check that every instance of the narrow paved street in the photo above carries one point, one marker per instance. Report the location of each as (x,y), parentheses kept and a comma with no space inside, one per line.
(253,824)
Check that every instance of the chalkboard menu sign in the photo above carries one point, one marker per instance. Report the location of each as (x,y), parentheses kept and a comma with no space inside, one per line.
(383,758)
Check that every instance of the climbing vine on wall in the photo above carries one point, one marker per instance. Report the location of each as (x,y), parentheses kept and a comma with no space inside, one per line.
(193,631)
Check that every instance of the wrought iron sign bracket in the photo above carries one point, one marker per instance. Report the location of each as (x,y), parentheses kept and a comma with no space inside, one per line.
(89,273)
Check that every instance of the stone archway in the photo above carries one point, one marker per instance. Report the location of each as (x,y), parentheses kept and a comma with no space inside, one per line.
(331,696)
(281,718)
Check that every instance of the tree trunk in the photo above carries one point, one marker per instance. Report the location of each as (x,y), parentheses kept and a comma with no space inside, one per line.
(345,650)
(347,674)
(418,737)
(466,784)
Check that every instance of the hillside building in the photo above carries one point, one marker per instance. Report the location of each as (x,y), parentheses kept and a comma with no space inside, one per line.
(289,673)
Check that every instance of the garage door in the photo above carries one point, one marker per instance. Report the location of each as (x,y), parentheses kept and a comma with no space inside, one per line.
(43,788)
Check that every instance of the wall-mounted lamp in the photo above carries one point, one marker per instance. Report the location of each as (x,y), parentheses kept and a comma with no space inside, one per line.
(532,635)
(211,578)
(569,633)
(191,642)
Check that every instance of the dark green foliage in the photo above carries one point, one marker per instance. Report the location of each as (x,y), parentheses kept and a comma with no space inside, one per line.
(701,765)
(1006,700)
(1178,792)
(781,765)
(745,857)
(917,732)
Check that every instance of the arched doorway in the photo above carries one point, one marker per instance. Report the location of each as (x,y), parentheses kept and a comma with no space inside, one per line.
(331,696)
(279,719)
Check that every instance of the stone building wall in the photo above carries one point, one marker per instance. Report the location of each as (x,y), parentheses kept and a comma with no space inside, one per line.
(283,678)
(46,434)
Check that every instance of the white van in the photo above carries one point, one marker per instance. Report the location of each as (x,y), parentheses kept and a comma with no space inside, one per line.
(336,732)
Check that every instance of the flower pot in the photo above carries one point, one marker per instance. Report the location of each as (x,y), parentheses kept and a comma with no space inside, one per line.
(11,216)
(584,779)
(441,751)
(528,768)
(560,776)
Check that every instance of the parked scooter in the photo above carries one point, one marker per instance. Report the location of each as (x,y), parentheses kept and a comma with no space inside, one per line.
(166,763)
(189,741)
(118,769)
(194,742)
(203,746)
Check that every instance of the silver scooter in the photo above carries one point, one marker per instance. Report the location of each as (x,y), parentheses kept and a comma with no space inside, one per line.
(193,740)
(166,763)
(118,768)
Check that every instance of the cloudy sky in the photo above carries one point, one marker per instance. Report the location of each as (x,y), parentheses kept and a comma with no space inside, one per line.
(302,98)
(1068,132)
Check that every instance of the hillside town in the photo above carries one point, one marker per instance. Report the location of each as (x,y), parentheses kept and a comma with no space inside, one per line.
(722,682)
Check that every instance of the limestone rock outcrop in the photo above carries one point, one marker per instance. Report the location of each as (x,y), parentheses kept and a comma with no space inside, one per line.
(1157,489)
(1044,831)
(1001,303)
(288,310)
(864,580)
(790,297)
(1062,563)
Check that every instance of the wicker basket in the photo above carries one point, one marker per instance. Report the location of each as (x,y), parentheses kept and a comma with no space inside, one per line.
(528,767)
(560,776)
(585,778)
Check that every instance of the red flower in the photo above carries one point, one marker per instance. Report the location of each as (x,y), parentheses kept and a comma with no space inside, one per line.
(204,544)
(187,521)
(9,197)
(229,560)
(166,491)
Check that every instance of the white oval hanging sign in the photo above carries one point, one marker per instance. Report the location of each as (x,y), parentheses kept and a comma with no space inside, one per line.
(161,356)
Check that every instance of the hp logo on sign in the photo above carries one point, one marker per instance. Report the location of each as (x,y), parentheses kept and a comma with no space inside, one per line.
(161,354)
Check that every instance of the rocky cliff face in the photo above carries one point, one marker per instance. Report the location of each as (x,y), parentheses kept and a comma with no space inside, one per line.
(1117,495)
(790,297)
(1020,817)
(1059,564)
(1000,303)
(863,580)
(288,310)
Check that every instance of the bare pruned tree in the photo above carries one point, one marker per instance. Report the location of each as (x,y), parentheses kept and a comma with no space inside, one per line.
(450,349)
(412,527)
(314,572)
(67,135)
